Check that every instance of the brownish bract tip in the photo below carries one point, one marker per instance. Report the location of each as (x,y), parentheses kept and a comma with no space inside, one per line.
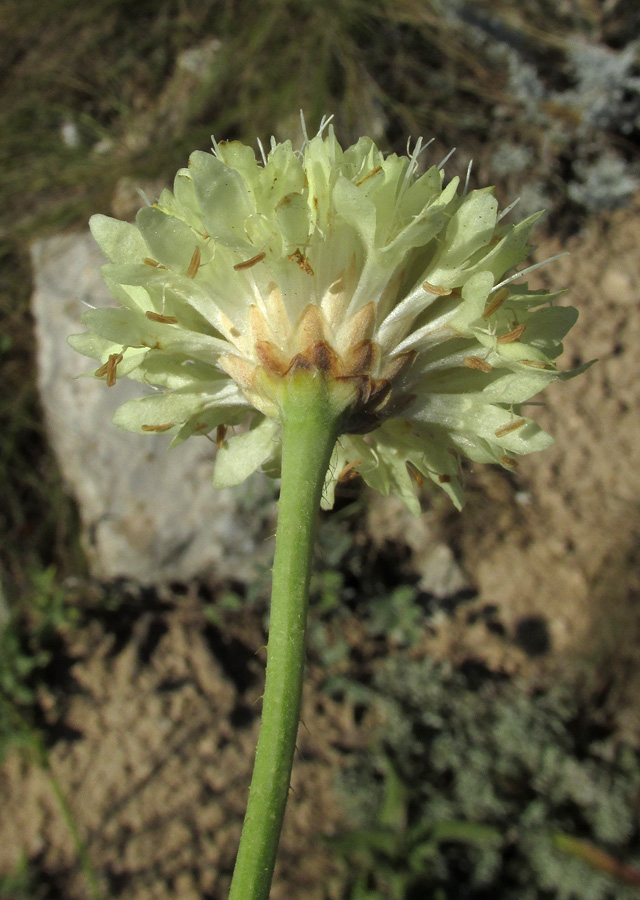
(271,357)
(361,359)
(324,358)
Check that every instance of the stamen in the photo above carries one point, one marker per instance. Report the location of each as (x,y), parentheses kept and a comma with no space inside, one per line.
(262,153)
(530,269)
(507,209)
(194,265)
(349,471)
(436,289)
(248,263)
(466,181)
(145,199)
(221,433)
(511,335)
(475,362)
(509,427)
(442,164)
(165,320)
(305,136)
(109,368)
(324,122)
(414,473)
(536,364)
(496,303)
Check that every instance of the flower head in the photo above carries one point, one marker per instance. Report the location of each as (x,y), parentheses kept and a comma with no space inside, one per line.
(391,285)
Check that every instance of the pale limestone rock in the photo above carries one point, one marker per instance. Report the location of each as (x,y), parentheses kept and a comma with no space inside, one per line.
(147,513)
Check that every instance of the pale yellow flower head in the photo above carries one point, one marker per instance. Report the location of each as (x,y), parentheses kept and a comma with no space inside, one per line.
(397,288)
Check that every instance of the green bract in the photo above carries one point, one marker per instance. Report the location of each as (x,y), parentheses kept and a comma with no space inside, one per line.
(391,285)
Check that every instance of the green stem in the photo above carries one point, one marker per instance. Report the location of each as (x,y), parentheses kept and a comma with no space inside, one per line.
(310,429)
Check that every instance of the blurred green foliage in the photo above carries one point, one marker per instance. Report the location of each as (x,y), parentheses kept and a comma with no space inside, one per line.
(471,784)
(28,638)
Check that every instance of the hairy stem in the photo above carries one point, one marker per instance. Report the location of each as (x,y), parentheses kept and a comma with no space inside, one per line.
(310,428)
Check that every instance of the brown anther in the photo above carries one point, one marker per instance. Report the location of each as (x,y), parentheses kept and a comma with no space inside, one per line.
(495,303)
(535,364)
(475,362)
(509,462)
(436,289)
(301,260)
(349,471)
(164,427)
(109,368)
(249,263)
(152,262)
(369,175)
(444,479)
(221,433)
(165,320)
(415,474)
(512,335)
(194,265)
(509,427)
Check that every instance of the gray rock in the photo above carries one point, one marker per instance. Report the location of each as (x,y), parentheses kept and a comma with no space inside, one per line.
(146,513)
(440,574)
